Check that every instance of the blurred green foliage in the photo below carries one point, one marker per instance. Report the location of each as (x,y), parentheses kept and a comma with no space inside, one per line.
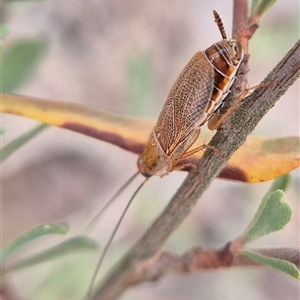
(17,143)
(261,6)
(272,215)
(19,61)
(140,84)
(30,236)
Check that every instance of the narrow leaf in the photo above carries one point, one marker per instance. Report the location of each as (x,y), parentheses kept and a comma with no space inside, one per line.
(20,141)
(18,62)
(272,215)
(280,183)
(130,133)
(258,159)
(75,244)
(278,264)
(254,5)
(4,29)
(262,7)
(261,159)
(31,235)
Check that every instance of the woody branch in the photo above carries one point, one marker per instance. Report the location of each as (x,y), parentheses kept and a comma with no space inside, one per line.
(198,259)
(227,140)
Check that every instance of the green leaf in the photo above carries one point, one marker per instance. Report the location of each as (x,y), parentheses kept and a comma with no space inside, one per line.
(19,61)
(2,131)
(68,279)
(139,88)
(31,235)
(20,141)
(253,5)
(4,29)
(280,183)
(278,264)
(75,244)
(260,7)
(272,215)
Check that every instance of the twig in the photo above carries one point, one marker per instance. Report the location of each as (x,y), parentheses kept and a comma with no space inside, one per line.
(240,17)
(243,29)
(198,259)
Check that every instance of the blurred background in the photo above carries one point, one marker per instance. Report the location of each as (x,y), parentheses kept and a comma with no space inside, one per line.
(124,56)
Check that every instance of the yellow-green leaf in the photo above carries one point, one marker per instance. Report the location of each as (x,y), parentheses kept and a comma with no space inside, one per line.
(129,133)
(259,159)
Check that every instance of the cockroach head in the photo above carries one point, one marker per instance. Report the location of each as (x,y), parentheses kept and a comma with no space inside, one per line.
(235,50)
(153,160)
(234,47)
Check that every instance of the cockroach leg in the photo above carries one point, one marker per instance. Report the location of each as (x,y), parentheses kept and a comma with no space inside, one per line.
(216,120)
(201,148)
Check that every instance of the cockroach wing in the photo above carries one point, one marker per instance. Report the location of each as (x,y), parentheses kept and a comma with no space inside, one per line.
(185,108)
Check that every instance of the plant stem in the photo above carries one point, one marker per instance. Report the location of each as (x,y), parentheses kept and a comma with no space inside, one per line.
(227,140)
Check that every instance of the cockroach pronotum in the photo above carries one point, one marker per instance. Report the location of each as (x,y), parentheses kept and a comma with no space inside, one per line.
(196,95)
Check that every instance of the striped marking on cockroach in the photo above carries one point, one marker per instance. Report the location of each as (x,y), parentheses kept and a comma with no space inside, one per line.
(195,96)
(197,93)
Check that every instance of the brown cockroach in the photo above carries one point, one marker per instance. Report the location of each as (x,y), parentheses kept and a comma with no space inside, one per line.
(195,96)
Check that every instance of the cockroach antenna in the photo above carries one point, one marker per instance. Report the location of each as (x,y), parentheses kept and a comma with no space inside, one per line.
(219,22)
(105,249)
(110,201)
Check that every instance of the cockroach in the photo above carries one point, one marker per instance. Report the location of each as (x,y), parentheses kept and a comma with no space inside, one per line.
(196,95)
